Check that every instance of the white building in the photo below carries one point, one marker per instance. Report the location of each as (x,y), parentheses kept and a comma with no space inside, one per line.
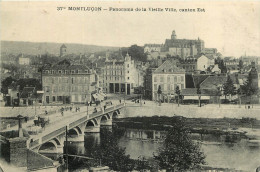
(168,76)
(121,76)
(204,62)
(24,60)
(148,48)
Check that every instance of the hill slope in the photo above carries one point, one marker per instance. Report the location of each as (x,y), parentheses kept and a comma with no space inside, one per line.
(34,48)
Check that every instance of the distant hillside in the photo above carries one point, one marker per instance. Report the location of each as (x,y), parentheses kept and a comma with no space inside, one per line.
(34,48)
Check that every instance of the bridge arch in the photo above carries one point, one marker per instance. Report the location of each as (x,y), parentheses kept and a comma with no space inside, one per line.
(104,118)
(115,114)
(90,123)
(73,132)
(50,146)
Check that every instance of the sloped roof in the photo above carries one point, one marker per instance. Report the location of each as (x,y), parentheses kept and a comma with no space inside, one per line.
(212,82)
(204,92)
(198,79)
(169,66)
(63,46)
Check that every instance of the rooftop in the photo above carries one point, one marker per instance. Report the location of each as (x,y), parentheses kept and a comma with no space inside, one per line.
(169,66)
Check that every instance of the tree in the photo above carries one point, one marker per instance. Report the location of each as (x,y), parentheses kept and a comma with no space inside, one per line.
(110,154)
(222,66)
(199,95)
(6,83)
(136,52)
(178,92)
(228,87)
(240,66)
(179,152)
(248,87)
(159,92)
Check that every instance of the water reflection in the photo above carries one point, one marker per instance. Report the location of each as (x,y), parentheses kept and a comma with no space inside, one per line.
(145,143)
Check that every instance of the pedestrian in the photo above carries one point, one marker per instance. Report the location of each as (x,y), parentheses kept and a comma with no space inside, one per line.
(70,108)
(46,113)
(79,109)
(144,102)
(120,101)
(43,125)
(61,113)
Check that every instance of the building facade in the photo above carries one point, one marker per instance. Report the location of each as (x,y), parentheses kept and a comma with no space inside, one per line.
(168,76)
(24,60)
(148,48)
(203,62)
(66,83)
(183,47)
(121,76)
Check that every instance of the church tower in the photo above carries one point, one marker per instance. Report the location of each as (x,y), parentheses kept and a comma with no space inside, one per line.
(63,50)
(173,35)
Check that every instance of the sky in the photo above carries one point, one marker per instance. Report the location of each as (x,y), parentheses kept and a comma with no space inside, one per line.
(231,27)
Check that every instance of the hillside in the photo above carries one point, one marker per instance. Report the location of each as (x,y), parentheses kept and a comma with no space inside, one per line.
(34,48)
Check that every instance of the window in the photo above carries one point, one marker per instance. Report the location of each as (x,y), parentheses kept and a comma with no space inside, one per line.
(128,78)
(53,98)
(169,87)
(161,79)
(182,86)
(47,89)
(128,71)
(179,78)
(59,71)
(162,87)
(155,79)
(182,78)
(59,98)
(132,85)
(155,87)
(127,65)
(175,79)
(168,78)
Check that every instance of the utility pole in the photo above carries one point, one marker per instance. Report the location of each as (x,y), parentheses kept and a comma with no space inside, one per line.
(67,157)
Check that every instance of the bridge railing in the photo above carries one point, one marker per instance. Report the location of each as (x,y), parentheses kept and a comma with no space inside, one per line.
(73,124)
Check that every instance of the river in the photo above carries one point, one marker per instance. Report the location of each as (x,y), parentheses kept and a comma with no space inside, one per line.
(218,154)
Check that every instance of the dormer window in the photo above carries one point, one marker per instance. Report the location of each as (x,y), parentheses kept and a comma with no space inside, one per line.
(72,71)
(59,71)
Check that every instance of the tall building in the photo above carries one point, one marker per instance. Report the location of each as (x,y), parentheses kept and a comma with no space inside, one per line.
(63,50)
(183,47)
(66,83)
(168,76)
(121,76)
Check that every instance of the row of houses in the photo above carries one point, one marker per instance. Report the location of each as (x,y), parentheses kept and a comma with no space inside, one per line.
(169,75)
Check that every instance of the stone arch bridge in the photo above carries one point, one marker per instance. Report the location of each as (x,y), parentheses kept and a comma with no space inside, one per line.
(51,140)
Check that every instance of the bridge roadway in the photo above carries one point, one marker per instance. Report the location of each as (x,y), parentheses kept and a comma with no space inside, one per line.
(58,128)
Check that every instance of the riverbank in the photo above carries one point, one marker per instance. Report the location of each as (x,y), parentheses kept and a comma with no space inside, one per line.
(151,108)
(233,129)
